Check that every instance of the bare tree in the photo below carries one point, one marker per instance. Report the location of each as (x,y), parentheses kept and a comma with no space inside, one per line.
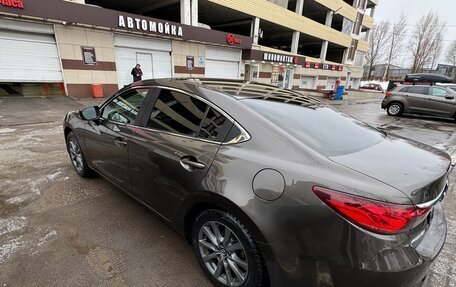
(377,38)
(450,56)
(426,41)
(437,50)
(396,40)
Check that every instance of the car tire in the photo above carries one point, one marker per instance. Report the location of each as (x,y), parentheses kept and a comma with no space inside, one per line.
(227,257)
(77,157)
(395,109)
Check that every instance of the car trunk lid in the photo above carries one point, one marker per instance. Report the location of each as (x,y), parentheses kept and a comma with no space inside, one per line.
(417,170)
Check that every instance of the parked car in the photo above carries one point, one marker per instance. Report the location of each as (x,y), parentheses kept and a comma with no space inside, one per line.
(437,101)
(269,186)
(450,86)
(372,86)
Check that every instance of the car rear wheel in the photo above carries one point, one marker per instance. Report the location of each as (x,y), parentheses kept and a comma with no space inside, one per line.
(226,251)
(77,157)
(395,109)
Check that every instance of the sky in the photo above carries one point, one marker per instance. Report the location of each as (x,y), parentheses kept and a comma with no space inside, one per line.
(413,10)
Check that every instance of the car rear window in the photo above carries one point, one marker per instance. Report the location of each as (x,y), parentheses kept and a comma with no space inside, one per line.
(321,128)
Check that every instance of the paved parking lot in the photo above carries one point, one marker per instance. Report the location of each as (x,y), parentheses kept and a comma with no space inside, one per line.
(57,229)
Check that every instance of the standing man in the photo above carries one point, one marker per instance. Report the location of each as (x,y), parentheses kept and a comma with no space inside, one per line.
(137,73)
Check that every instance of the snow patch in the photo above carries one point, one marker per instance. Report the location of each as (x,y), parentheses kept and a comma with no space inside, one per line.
(51,234)
(53,176)
(16,199)
(6,130)
(7,249)
(9,225)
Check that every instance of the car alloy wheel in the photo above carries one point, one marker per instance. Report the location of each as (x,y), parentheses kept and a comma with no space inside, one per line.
(226,251)
(77,156)
(223,253)
(394,109)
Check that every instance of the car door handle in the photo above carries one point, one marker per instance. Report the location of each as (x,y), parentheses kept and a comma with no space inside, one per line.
(120,142)
(190,163)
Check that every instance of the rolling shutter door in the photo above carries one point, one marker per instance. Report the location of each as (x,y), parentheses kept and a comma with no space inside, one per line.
(28,57)
(153,55)
(222,63)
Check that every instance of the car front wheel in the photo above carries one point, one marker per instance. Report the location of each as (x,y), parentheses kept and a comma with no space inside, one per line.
(77,157)
(394,109)
(226,251)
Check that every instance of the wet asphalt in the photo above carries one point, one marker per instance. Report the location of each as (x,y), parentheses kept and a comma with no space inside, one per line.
(57,229)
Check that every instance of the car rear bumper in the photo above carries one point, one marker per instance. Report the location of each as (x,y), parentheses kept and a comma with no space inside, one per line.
(335,253)
(384,103)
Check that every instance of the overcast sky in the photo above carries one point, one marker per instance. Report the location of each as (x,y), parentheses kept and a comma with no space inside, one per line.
(413,10)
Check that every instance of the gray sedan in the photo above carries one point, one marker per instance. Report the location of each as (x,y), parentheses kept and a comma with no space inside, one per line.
(270,187)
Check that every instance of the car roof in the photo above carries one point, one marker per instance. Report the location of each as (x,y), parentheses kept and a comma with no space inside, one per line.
(237,89)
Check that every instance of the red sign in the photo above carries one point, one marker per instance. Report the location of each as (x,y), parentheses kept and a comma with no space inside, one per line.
(307,64)
(341,68)
(230,39)
(12,3)
(295,60)
(333,67)
(316,66)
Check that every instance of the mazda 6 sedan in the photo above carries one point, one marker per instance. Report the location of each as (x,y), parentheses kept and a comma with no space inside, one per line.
(269,186)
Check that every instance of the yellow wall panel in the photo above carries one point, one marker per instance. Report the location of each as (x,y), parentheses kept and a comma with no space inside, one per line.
(362,46)
(368,21)
(341,7)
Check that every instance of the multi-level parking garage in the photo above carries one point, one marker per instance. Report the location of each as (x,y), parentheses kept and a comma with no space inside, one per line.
(299,44)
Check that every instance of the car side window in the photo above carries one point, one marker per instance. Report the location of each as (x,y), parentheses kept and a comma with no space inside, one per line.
(416,90)
(213,126)
(177,112)
(404,90)
(439,92)
(125,107)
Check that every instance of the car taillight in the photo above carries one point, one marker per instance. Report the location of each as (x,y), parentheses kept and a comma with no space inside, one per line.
(373,215)
(388,94)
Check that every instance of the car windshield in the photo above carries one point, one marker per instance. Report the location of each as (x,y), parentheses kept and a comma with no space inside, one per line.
(323,129)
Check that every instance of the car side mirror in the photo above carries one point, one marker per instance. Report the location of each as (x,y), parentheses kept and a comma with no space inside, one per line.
(90,113)
(449,97)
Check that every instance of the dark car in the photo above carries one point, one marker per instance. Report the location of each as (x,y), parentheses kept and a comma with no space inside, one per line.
(372,86)
(271,187)
(437,101)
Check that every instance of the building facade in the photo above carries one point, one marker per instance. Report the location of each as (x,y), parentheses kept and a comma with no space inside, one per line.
(58,47)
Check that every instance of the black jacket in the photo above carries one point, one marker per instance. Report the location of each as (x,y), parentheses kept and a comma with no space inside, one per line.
(137,74)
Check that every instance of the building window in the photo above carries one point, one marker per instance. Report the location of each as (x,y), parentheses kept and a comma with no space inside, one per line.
(306,82)
(359,58)
(347,26)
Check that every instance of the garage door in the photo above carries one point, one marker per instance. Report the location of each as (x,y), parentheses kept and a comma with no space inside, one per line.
(222,63)
(28,57)
(153,55)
